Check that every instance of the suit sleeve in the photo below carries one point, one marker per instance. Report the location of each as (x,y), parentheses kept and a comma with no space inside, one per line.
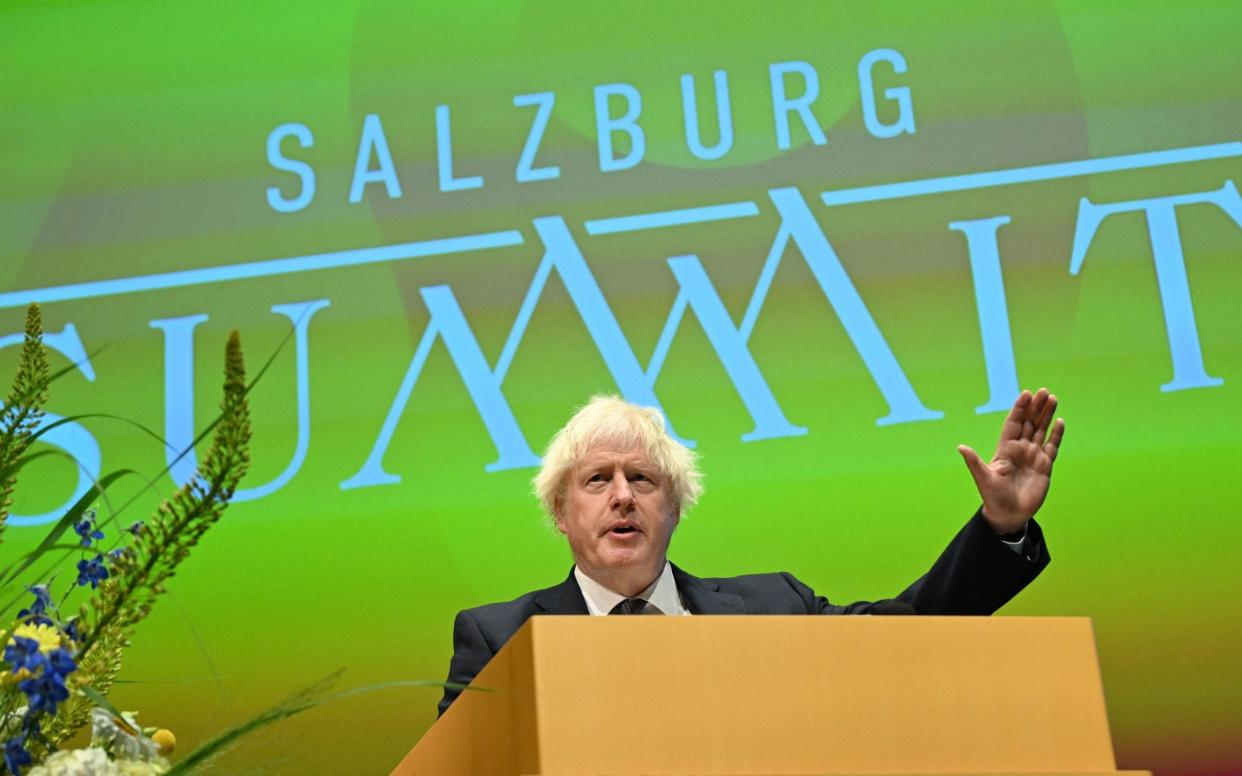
(817,604)
(977,573)
(470,653)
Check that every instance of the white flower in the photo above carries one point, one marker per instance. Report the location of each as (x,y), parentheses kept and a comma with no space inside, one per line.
(11,723)
(76,762)
(115,738)
(94,762)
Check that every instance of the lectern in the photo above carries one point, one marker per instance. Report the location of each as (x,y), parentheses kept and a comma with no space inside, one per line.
(779,696)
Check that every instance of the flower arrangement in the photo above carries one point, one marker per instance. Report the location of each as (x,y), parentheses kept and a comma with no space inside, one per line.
(59,665)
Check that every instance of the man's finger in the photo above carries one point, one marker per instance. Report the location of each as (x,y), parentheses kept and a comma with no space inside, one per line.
(1033,413)
(1053,445)
(978,469)
(1012,428)
(1045,417)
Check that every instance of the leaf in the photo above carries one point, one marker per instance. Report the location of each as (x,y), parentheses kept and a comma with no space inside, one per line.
(303,700)
(73,418)
(70,518)
(100,700)
(300,701)
(126,597)
(13,468)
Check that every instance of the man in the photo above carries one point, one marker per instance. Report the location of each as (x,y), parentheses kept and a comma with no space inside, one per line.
(616,484)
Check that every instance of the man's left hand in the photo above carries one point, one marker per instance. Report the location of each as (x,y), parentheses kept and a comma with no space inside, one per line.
(1015,482)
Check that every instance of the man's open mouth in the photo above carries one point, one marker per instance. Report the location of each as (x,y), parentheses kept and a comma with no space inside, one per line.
(623,529)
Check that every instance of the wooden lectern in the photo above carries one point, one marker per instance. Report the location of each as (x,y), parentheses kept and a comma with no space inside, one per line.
(743,696)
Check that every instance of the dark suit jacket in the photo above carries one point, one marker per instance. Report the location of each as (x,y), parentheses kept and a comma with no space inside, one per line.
(976,574)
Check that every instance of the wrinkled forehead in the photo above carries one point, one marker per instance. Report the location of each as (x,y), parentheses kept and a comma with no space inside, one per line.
(610,454)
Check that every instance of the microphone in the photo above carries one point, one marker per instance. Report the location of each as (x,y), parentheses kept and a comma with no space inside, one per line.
(890,606)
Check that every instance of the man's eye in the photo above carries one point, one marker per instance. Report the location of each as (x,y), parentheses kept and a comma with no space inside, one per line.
(596,478)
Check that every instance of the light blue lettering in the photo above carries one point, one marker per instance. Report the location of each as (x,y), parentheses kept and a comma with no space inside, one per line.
(306,174)
(526,171)
(444,155)
(898,94)
(606,126)
(1166,248)
(730,347)
(179,396)
(373,141)
(448,323)
(904,405)
(783,105)
(985,271)
(564,256)
(724,117)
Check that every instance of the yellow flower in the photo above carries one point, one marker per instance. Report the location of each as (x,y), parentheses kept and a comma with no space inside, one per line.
(48,638)
(165,740)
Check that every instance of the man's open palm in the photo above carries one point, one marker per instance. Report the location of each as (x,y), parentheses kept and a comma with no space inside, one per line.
(1015,482)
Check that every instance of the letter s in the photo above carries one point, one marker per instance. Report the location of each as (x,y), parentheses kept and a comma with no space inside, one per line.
(305,173)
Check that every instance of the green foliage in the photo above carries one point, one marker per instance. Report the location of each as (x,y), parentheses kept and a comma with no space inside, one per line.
(135,575)
(23,408)
(100,668)
(140,572)
(300,701)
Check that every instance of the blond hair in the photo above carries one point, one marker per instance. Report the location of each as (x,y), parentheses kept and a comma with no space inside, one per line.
(611,421)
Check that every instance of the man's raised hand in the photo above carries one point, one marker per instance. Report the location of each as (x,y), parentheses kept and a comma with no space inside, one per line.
(1015,482)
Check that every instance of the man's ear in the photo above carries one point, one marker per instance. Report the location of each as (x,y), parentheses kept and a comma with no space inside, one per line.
(558,515)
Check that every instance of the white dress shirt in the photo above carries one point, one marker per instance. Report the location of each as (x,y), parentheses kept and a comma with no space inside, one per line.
(661,596)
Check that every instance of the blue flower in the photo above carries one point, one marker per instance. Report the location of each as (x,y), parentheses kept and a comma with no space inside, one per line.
(59,663)
(43,598)
(35,615)
(45,692)
(87,530)
(15,754)
(33,618)
(136,529)
(71,630)
(22,652)
(92,572)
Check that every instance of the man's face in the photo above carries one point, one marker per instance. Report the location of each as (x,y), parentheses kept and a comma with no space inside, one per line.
(618,517)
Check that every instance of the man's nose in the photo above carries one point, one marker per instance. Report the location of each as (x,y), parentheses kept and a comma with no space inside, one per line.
(622,494)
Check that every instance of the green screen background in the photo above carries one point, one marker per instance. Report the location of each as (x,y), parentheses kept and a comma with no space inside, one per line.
(132,142)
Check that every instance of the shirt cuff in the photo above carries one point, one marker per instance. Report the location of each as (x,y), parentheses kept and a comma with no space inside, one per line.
(1015,541)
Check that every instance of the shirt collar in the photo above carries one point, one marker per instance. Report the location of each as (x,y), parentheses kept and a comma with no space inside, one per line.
(660,595)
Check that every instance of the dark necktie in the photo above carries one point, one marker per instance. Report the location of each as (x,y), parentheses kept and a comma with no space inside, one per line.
(629,606)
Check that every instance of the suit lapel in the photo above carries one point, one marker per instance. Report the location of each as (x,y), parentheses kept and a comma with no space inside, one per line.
(702,596)
(565,598)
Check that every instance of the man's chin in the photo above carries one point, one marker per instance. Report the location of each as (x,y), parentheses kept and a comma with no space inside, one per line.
(625,558)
